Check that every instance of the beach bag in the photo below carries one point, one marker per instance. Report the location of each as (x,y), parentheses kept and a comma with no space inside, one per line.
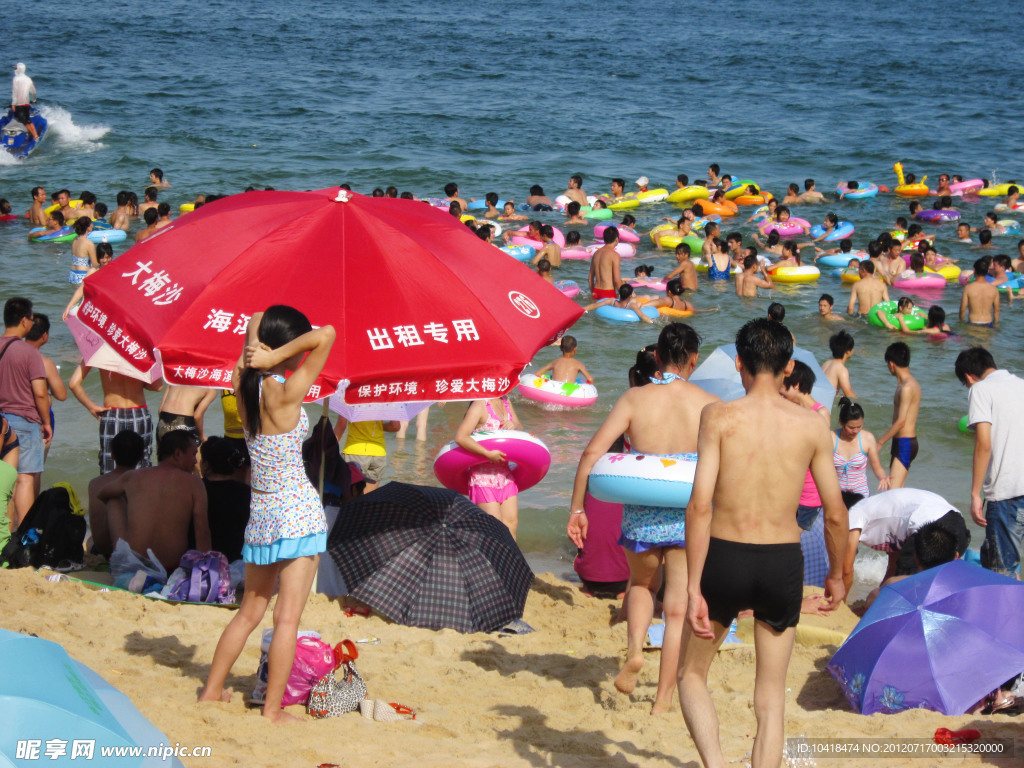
(205,577)
(50,535)
(313,659)
(126,564)
(331,697)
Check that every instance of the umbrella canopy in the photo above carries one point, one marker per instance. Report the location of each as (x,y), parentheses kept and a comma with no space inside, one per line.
(424,310)
(910,648)
(97,353)
(428,557)
(46,696)
(718,375)
(375,411)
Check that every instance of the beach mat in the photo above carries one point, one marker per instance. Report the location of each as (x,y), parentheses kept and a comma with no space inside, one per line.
(99,581)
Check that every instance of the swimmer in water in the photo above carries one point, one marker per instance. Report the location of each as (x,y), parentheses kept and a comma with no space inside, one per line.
(567,367)
(509,213)
(573,215)
(753,276)
(624,301)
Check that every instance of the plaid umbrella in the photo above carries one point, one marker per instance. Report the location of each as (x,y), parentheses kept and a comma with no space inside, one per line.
(428,557)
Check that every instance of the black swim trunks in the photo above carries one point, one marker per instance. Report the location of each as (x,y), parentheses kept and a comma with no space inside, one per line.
(769,578)
(168,422)
(22,113)
(904,450)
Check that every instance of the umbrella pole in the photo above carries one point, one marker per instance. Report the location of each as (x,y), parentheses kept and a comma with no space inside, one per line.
(320,483)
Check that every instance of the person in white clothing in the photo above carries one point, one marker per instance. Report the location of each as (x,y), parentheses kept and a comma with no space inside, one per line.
(888,522)
(23,93)
(994,413)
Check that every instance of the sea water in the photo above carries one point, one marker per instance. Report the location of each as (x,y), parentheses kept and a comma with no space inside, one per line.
(223,95)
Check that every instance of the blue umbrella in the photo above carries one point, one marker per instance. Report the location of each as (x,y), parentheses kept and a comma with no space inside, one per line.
(718,375)
(46,696)
(909,649)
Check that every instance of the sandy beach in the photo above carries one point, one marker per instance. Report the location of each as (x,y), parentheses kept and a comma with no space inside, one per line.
(483,701)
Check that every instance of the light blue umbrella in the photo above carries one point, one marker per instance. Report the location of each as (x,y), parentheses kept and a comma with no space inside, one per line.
(49,698)
(718,375)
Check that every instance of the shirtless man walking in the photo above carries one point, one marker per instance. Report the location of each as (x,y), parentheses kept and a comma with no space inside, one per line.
(605,276)
(37,214)
(746,554)
(124,407)
(152,508)
(905,405)
(867,291)
(575,191)
(980,299)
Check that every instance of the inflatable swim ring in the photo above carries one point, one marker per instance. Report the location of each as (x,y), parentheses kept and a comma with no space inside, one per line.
(625,250)
(949,271)
(999,190)
(107,236)
(961,188)
(915,321)
(481,205)
(654,285)
(186,207)
(625,203)
(1004,207)
(542,389)
(802,274)
(520,252)
(673,312)
(928,280)
(598,214)
(849,275)
(728,208)
(686,194)
(620,315)
(790,228)
(528,458)
(520,238)
(703,268)
(1010,227)
(576,252)
(909,190)
(626,234)
(739,188)
(862,191)
(569,287)
(760,199)
(698,225)
(841,259)
(842,231)
(1015,281)
(652,196)
(642,479)
(62,235)
(51,208)
(936,217)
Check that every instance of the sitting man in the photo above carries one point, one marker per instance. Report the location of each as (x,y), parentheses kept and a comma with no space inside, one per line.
(153,508)
(127,448)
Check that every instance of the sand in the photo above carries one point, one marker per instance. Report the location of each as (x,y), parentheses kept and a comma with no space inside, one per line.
(542,699)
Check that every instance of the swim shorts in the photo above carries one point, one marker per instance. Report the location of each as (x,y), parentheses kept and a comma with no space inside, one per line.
(542,207)
(114,420)
(371,466)
(605,293)
(169,422)
(769,578)
(23,113)
(904,450)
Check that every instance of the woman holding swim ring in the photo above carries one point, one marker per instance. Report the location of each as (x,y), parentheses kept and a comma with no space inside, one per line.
(287,529)
(854,448)
(661,417)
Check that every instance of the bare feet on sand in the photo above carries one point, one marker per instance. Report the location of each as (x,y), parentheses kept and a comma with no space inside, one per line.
(224,695)
(661,707)
(626,681)
(280,717)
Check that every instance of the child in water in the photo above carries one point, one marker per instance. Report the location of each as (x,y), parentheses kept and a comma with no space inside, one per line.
(509,214)
(566,367)
(625,301)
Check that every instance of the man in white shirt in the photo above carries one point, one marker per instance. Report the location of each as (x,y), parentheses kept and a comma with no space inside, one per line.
(994,413)
(23,93)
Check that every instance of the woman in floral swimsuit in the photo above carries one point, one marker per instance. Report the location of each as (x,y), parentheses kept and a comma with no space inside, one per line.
(287,529)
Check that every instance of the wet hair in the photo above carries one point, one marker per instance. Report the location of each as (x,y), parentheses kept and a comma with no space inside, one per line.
(573,208)
(644,270)
(87,198)
(789,246)
(150,216)
(914,230)
(750,261)
(151,193)
(794,189)
(936,316)
(577,178)
(752,250)
(619,182)
(914,207)
(898,353)
(101,210)
(828,298)
(910,178)
(406,195)
(917,262)
(35,191)
(1003,261)
(629,220)
(104,249)
(492,198)
(990,216)
(901,222)
(484,231)
(875,248)
(852,185)
(158,173)
(674,287)
(981,266)
(726,176)
(599,204)
(625,291)
(572,238)
(677,343)
(645,367)
(849,410)
(58,217)
(764,346)
(946,201)
(544,265)
(223,456)
(127,448)
(934,545)
(974,361)
(163,209)
(451,189)
(547,230)
(610,235)
(174,441)
(776,312)
(391,192)
(40,326)
(698,209)
(714,168)
(683,179)
(83,223)
(845,246)
(280,324)
(832,218)
(781,210)
(734,237)
(802,378)
(868,266)
(840,343)
(808,183)
(567,344)
(985,236)
(683,248)
(904,303)
(752,189)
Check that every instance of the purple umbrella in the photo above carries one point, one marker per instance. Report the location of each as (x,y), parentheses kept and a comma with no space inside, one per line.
(909,649)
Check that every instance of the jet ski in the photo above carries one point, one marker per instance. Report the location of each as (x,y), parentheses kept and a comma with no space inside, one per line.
(15,138)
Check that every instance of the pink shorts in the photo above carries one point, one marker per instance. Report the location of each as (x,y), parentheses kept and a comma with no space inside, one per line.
(485,495)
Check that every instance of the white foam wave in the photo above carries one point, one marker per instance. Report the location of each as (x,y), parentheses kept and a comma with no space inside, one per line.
(84,138)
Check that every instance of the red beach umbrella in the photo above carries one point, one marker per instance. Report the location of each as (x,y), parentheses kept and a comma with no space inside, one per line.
(424,309)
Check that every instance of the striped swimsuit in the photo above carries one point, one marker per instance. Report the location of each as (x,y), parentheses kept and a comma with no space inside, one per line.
(853,472)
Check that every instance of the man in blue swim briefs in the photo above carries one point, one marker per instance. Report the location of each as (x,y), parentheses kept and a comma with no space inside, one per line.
(905,405)
(746,553)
